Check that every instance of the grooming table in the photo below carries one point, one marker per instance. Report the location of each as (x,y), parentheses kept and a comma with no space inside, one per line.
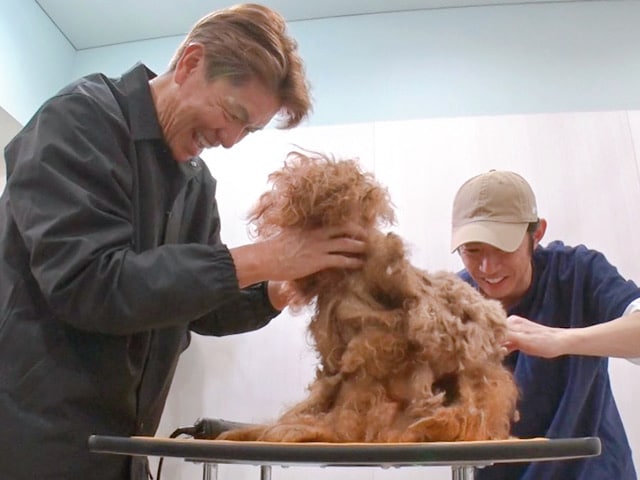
(463,457)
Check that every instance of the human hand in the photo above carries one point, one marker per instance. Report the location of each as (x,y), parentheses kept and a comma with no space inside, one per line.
(534,339)
(296,253)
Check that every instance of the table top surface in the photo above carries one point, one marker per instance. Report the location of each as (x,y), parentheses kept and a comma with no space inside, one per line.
(476,453)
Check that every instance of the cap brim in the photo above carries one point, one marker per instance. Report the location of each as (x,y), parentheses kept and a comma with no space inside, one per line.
(505,236)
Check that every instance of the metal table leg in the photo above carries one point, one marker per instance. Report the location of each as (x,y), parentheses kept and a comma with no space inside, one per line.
(265,472)
(209,471)
(462,472)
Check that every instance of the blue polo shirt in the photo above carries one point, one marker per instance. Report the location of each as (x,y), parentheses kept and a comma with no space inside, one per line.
(569,396)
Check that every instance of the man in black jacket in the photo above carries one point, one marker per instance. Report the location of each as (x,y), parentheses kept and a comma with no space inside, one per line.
(110,249)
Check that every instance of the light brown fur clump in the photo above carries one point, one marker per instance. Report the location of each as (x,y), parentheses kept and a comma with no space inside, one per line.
(405,355)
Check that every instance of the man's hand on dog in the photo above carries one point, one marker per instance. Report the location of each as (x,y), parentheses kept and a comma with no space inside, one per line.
(296,253)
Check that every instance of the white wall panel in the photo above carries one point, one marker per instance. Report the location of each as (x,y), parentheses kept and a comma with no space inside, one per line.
(634,127)
(9,127)
(583,167)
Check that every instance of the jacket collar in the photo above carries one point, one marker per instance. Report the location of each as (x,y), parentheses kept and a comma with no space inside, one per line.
(143,119)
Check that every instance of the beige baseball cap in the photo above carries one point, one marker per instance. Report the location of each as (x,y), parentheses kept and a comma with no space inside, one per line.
(495,208)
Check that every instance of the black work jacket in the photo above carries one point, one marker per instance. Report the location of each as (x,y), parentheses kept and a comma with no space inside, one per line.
(110,253)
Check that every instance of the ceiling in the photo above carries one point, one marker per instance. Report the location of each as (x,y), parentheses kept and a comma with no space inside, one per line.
(97,23)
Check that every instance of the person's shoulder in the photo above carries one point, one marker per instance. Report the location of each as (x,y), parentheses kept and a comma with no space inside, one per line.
(86,93)
(558,247)
(93,85)
(85,105)
(86,81)
(569,255)
(101,89)
(92,98)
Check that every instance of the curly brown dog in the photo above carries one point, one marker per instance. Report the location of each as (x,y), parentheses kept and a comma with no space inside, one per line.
(405,355)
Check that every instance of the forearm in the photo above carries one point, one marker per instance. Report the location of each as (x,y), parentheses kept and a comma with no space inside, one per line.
(250,310)
(617,338)
(252,263)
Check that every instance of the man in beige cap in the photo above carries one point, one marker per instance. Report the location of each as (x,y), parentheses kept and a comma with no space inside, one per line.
(564,303)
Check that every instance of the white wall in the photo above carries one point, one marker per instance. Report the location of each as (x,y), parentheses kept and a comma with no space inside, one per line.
(583,167)
(9,126)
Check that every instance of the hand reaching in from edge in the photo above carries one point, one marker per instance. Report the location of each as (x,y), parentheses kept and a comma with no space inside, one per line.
(619,337)
(534,339)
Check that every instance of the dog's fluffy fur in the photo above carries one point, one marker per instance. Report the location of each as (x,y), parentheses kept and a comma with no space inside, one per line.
(405,355)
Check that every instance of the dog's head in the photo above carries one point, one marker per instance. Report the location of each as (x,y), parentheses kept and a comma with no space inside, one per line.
(316,190)
(313,190)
